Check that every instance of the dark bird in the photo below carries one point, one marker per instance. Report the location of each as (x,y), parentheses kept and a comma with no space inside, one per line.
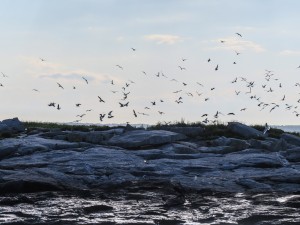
(101,116)
(43,60)
(234,81)
(119,66)
(112,82)
(85,80)
(36,90)
(217,67)
(88,110)
(181,68)
(100,99)
(283,98)
(222,41)
(147,108)
(160,112)
(59,85)
(178,101)
(109,115)
(133,49)
(144,72)
(243,109)
(153,103)
(81,115)
(58,107)
(230,114)
(124,105)
(239,34)
(208,60)
(204,115)
(237,53)
(184,83)
(206,99)
(134,113)
(78,104)
(183,59)
(175,92)
(4,75)
(51,104)
(212,89)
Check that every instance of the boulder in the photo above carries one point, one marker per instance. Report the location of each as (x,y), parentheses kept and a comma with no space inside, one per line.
(98,137)
(139,138)
(291,139)
(5,130)
(217,149)
(14,124)
(238,144)
(187,131)
(244,130)
(293,154)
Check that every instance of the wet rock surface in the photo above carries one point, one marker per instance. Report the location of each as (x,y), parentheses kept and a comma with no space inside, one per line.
(156,174)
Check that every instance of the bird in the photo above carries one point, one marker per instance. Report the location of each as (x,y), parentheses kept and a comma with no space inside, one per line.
(183,59)
(134,113)
(78,104)
(81,115)
(181,68)
(101,116)
(4,75)
(237,53)
(124,105)
(243,109)
(175,92)
(43,60)
(217,67)
(231,114)
(209,60)
(100,99)
(144,72)
(153,103)
(85,80)
(88,110)
(52,104)
(267,128)
(119,67)
(160,112)
(184,83)
(36,90)
(59,85)
(133,49)
(109,115)
(204,115)
(238,34)
(58,107)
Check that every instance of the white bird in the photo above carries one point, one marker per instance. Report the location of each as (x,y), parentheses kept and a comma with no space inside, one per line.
(267,127)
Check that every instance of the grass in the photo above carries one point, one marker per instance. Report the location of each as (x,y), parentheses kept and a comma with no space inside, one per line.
(30,125)
(211,130)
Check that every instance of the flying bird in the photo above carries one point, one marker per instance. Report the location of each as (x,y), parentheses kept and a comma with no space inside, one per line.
(85,80)
(119,66)
(4,75)
(134,113)
(100,99)
(238,34)
(59,85)
(217,67)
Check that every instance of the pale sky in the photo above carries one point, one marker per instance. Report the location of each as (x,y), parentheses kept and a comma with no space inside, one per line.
(89,38)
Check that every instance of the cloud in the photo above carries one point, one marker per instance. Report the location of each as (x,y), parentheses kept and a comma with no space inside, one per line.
(163,38)
(289,52)
(236,44)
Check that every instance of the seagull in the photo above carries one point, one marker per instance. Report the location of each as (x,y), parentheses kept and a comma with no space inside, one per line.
(134,113)
(81,115)
(58,107)
(217,67)
(100,99)
(101,116)
(36,90)
(243,109)
(208,60)
(267,128)
(230,114)
(51,104)
(183,59)
(78,104)
(88,110)
(124,105)
(144,72)
(181,68)
(237,53)
(119,66)
(238,34)
(85,80)
(43,60)
(160,112)
(59,85)
(133,49)
(109,115)
(4,75)
(153,103)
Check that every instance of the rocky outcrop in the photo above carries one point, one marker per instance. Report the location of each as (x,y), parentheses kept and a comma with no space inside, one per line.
(11,126)
(139,138)
(72,160)
(244,130)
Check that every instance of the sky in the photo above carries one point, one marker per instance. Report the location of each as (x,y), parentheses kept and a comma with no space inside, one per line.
(150,51)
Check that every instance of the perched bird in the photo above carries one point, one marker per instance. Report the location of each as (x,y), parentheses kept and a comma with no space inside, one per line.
(267,128)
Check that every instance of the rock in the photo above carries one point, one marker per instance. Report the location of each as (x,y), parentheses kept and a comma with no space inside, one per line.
(217,149)
(5,130)
(260,160)
(181,148)
(235,143)
(187,131)
(75,136)
(139,138)
(98,137)
(97,208)
(244,130)
(292,155)
(254,185)
(291,139)
(262,144)
(14,124)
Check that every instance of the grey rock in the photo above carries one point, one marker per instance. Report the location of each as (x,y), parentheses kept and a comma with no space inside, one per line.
(244,130)
(139,138)
(217,149)
(291,139)
(4,129)
(293,154)
(254,185)
(180,148)
(14,124)
(238,144)
(187,131)
(99,137)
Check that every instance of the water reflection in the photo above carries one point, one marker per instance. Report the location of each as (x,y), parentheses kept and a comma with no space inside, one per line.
(148,208)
